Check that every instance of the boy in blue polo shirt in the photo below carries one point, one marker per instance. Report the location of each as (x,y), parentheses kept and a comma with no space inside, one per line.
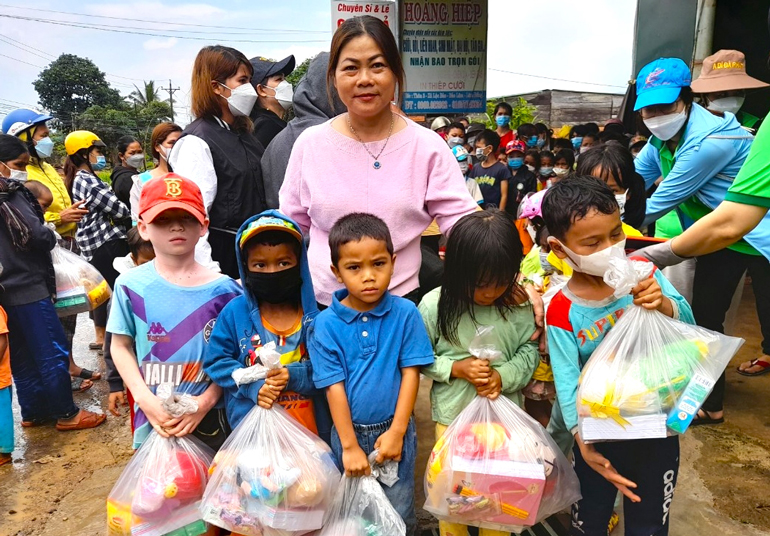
(366,350)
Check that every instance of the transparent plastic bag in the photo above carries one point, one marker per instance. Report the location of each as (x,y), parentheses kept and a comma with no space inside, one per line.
(160,489)
(484,344)
(651,373)
(271,478)
(79,286)
(495,467)
(361,508)
(176,404)
(386,472)
(269,359)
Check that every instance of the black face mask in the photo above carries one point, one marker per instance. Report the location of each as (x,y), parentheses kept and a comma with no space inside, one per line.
(275,287)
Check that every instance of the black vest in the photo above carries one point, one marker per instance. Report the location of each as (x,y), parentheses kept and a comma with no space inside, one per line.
(237,162)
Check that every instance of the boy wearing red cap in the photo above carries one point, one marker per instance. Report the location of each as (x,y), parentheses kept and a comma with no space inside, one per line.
(167,309)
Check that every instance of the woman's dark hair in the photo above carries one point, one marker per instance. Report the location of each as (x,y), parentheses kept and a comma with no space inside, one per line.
(504,106)
(483,249)
(594,135)
(572,199)
(566,154)
(592,128)
(534,153)
(381,35)
(12,148)
(526,130)
(578,130)
(73,164)
(615,161)
(159,135)
(547,154)
(123,144)
(561,143)
(542,128)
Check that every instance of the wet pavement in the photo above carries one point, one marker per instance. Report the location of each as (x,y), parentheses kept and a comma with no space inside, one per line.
(59,482)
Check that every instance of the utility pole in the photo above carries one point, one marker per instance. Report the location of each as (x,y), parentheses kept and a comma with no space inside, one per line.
(170,90)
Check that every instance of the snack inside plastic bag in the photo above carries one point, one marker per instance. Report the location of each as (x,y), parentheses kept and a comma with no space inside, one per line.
(495,467)
(269,359)
(79,286)
(160,489)
(651,373)
(360,507)
(271,478)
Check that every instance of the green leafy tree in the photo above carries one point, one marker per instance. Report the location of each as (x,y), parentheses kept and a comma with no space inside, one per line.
(299,72)
(145,96)
(523,112)
(70,85)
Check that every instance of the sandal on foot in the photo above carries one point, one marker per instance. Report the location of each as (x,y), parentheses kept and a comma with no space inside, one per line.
(759,362)
(79,385)
(34,423)
(5,458)
(95,346)
(705,419)
(84,419)
(88,374)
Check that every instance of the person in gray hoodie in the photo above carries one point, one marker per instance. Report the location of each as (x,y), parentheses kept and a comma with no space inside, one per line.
(312,106)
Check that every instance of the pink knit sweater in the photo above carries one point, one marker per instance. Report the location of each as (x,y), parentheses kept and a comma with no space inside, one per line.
(330,175)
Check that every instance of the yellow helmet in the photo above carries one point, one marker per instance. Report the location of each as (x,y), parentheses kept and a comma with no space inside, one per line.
(81,139)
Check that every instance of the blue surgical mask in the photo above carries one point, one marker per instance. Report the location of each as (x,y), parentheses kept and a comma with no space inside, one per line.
(532,141)
(502,120)
(540,143)
(546,170)
(577,141)
(515,163)
(44,147)
(100,164)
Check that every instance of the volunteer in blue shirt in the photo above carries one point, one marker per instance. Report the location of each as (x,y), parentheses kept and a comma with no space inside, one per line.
(698,154)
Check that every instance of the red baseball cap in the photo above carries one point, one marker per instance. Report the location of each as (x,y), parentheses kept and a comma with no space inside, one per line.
(515,145)
(171,191)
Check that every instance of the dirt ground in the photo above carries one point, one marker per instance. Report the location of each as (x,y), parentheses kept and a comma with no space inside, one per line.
(58,482)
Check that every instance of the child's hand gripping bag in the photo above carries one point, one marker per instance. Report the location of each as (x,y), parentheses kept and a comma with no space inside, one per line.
(160,489)
(495,467)
(651,373)
(360,507)
(272,477)
(79,286)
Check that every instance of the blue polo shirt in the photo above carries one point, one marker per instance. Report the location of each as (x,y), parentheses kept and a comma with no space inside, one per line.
(367,351)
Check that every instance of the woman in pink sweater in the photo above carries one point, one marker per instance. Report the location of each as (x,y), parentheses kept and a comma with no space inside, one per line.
(371,159)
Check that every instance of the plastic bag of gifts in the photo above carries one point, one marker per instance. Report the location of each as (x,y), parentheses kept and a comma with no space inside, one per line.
(651,374)
(79,286)
(360,507)
(160,490)
(495,467)
(272,477)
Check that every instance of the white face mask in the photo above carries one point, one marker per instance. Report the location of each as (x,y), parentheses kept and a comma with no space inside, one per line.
(454,142)
(621,199)
(584,148)
(531,168)
(480,154)
(241,99)
(463,166)
(284,94)
(664,127)
(532,232)
(135,160)
(164,152)
(596,263)
(15,174)
(560,171)
(726,104)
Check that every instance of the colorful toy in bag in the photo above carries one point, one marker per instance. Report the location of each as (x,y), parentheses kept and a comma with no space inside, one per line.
(272,477)
(361,508)
(160,489)
(651,374)
(79,286)
(495,467)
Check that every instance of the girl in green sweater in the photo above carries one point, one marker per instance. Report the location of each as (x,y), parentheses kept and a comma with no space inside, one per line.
(479,288)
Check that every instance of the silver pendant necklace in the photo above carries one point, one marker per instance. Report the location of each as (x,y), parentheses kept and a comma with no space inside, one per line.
(376,164)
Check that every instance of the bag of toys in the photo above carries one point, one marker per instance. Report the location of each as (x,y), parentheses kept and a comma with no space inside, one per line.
(361,508)
(160,489)
(79,286)
(272,477)
(650,375)
(495,467)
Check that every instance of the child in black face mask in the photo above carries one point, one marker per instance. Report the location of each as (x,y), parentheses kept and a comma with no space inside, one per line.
(277,307)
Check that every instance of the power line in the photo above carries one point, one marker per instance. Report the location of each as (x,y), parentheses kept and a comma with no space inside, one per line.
(557,79)
(21,61)
(229,28)
(121,29)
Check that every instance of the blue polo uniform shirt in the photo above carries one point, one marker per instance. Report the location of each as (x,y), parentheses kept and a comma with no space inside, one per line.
(367,351)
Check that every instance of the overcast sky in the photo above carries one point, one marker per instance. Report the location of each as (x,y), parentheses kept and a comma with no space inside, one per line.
(586,41)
